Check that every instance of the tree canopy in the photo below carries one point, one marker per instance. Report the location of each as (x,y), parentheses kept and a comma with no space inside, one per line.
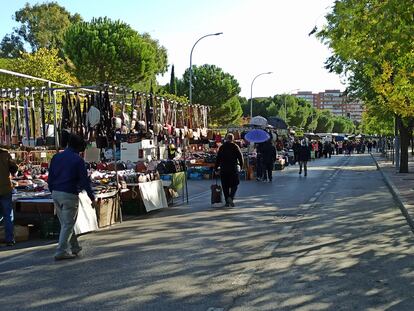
(214,88)
(112,52)
(43,63)
(372,44)
(41,26)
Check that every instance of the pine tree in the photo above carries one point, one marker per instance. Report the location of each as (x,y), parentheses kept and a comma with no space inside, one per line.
(173,82)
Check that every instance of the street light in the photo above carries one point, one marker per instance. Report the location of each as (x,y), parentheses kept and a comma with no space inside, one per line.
(284,102)
(191,100)
(251,91)
(191,63)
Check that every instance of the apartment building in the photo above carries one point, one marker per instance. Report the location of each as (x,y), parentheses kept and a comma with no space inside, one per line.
(335,101)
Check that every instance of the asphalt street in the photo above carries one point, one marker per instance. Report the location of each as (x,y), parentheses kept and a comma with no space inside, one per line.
(334,240)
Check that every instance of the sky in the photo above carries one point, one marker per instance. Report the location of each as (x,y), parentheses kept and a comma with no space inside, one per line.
(258,36)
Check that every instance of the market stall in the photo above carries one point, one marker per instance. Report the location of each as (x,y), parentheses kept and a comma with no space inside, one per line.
(129,135)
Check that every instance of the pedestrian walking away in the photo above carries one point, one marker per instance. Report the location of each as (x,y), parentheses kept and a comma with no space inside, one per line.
(296,147)
(67,177)
(229,159)
(7,167)
(268,160)
(304,156)
(259,162)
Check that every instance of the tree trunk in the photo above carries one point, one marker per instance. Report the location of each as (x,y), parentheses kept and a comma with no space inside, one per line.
(404,142)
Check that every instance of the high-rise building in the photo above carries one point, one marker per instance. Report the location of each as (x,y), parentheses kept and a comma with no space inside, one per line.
(334,100)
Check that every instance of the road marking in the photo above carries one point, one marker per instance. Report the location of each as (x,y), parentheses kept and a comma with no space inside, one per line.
(318,193)
(312,199)
(215,309)
(286,229)
(305,206)
(322,189)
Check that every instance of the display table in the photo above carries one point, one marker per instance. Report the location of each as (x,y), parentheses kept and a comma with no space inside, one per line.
(39,210)
(151,193)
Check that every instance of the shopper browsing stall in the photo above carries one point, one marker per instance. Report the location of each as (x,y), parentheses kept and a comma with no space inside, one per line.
(67,177)
(229,157)
(7,167)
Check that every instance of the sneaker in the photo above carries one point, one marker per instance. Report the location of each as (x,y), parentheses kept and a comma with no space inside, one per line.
(11,243)
(76,251)
(64,256)
(231,202)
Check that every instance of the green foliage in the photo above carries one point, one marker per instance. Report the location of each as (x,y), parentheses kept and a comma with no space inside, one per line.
(343,125)
(43,63)
(105,51)
(312,121)
(371,41)
(217,89)
(173,82)
(11,46)
(379,124)
(325,122)
(43,25)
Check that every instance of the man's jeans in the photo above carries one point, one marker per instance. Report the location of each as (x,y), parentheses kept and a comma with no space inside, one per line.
(66,205)
(7,212)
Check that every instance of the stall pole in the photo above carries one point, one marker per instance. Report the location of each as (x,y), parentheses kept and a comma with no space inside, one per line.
(185,168)
(55,122)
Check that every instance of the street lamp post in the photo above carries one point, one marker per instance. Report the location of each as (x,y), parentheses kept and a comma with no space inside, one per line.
(251,91)
(191,63)
(190,93)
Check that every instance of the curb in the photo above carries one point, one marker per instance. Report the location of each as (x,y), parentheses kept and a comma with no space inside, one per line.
(396,194)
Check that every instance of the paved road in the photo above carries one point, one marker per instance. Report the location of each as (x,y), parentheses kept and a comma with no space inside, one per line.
(334,240)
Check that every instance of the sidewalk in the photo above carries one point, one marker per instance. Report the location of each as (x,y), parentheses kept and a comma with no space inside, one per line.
(400,184)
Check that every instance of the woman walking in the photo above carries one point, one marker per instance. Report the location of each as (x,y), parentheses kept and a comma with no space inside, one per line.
(229,157)
(304,156)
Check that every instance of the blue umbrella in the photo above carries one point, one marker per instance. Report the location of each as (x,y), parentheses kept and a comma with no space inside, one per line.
(257,136)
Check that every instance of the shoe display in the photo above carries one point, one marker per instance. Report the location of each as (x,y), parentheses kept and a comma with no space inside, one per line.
(65,256)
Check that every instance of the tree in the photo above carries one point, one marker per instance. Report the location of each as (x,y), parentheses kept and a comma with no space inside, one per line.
(11,46)
(325,122)
(43,63)
(377,124)
(112,52)
(42,26)
(371,43)
(214,88)
(343,125)
(173,82)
